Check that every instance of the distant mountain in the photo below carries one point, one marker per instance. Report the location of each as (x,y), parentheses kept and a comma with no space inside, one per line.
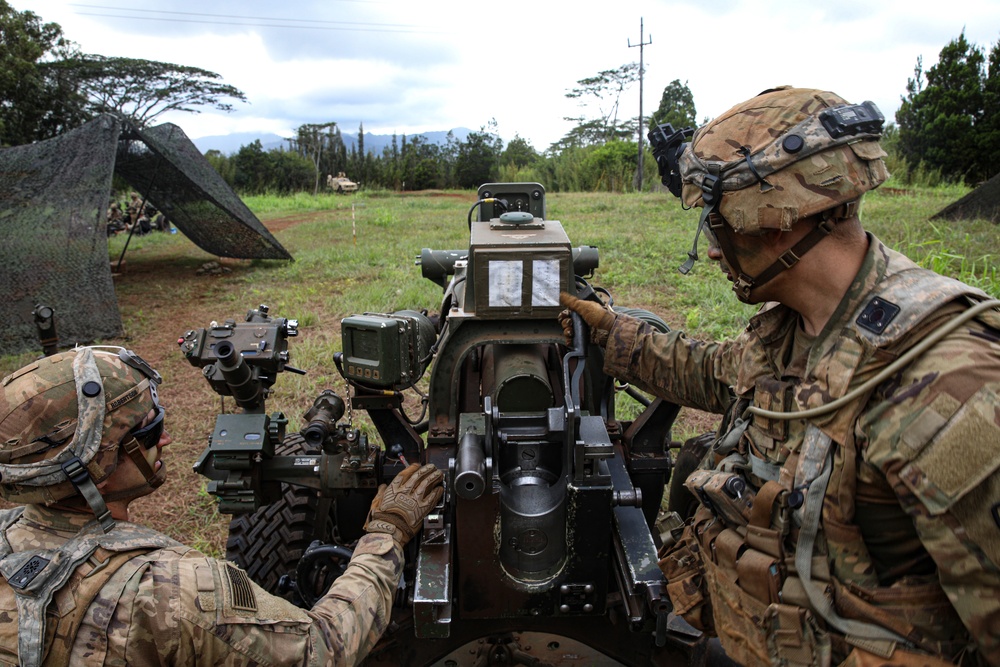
(227,144)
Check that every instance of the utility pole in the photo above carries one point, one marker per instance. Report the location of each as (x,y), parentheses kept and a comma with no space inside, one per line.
(642,43)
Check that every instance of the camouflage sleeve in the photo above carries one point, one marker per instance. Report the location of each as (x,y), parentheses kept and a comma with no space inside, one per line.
(934,432)
(355,611)
(202,611)
(688,372)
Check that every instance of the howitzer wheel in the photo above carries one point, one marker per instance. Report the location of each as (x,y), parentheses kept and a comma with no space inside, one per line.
(689,458)
(270,542)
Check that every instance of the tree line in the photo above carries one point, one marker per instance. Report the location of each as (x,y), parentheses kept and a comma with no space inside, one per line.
(413,163)
(947,127)
(599,153)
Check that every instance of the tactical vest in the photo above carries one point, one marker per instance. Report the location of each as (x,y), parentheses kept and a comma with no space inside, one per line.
(52,588)
(770,563)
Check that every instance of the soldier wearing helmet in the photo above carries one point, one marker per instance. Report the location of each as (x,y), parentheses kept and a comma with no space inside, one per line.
(81,436)
(849,508)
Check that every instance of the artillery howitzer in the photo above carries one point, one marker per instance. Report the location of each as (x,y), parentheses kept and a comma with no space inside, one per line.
(542,550)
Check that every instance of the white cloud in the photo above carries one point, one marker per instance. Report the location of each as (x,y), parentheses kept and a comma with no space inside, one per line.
(397,65)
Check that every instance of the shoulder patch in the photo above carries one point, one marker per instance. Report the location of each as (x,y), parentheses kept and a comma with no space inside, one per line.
(27,573)
(959,457)
(877,315)
(239,589)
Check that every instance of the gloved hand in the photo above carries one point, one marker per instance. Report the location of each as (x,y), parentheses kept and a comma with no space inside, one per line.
(399,508)
(598,317)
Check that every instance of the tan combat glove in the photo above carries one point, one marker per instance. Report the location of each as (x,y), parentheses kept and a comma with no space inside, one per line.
(399,508)
(598,317)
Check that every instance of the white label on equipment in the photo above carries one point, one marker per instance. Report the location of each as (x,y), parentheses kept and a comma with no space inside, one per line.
(505,283)
(545,282)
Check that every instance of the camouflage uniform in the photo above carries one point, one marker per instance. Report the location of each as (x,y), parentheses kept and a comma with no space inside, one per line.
(909,531)
(171,605)
(82,588)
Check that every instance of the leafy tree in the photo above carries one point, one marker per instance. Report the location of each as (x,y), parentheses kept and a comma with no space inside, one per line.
(448,156)
(391,169)
(519,152)
(38,97)
(611,167)
(357,161)
(676,107)
(944,121)
(253,170)
(225,166)
(603,91)
(47,86)
(316,141)
(142,90)
(287,171)
(250,167)
(989,130)
(478,156)
(421,164)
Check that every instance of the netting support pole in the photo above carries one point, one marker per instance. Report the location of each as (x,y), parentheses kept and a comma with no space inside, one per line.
(142,203)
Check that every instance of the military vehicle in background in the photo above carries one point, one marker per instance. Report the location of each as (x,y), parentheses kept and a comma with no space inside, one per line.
(340,183)
(543,549)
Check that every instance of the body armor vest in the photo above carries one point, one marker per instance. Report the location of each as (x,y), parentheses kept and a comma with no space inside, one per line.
(53,588)
(773,561)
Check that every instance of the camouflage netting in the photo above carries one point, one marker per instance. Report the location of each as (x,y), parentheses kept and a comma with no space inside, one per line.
(983,202)
(167,169)
(53,198)
(53,201)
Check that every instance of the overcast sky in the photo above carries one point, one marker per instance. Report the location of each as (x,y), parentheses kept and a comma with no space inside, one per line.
(407,66)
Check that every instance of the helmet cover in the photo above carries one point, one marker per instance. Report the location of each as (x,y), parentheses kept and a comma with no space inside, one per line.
(778,162)
(80,403)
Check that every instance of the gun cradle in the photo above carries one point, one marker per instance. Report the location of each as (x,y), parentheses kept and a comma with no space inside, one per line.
(543,539)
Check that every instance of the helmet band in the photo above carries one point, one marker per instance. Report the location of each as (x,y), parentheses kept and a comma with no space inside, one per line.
(814,136)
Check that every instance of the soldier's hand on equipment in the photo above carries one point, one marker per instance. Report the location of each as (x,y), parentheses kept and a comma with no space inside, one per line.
(399,508)
(598,317)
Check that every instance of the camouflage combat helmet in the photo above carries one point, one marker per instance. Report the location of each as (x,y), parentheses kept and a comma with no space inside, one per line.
(783,156)
(63,419)
(778,160)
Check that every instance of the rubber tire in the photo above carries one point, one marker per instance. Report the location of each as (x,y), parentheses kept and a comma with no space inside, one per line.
(689,458)
(269,542)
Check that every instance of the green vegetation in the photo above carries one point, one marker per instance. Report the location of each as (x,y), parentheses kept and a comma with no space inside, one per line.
(949,121)
(47,86)
(357,254)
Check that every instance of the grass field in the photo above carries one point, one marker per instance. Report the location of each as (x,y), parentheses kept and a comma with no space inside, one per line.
(356,254)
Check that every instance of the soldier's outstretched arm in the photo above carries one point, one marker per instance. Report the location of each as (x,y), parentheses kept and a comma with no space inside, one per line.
(182,608)
(691,373)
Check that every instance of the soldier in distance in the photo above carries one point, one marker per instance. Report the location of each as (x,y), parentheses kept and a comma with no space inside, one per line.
(849,509)
(81,436)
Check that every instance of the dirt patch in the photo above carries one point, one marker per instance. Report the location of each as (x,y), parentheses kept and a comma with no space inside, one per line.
(434,193)
(280,224)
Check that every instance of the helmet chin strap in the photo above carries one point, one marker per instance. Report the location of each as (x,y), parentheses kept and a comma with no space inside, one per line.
(744,284)
(153,480)
(713,222)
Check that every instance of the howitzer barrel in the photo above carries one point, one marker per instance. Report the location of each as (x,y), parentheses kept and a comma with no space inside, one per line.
(245,388)
(470,467)
(516,378)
